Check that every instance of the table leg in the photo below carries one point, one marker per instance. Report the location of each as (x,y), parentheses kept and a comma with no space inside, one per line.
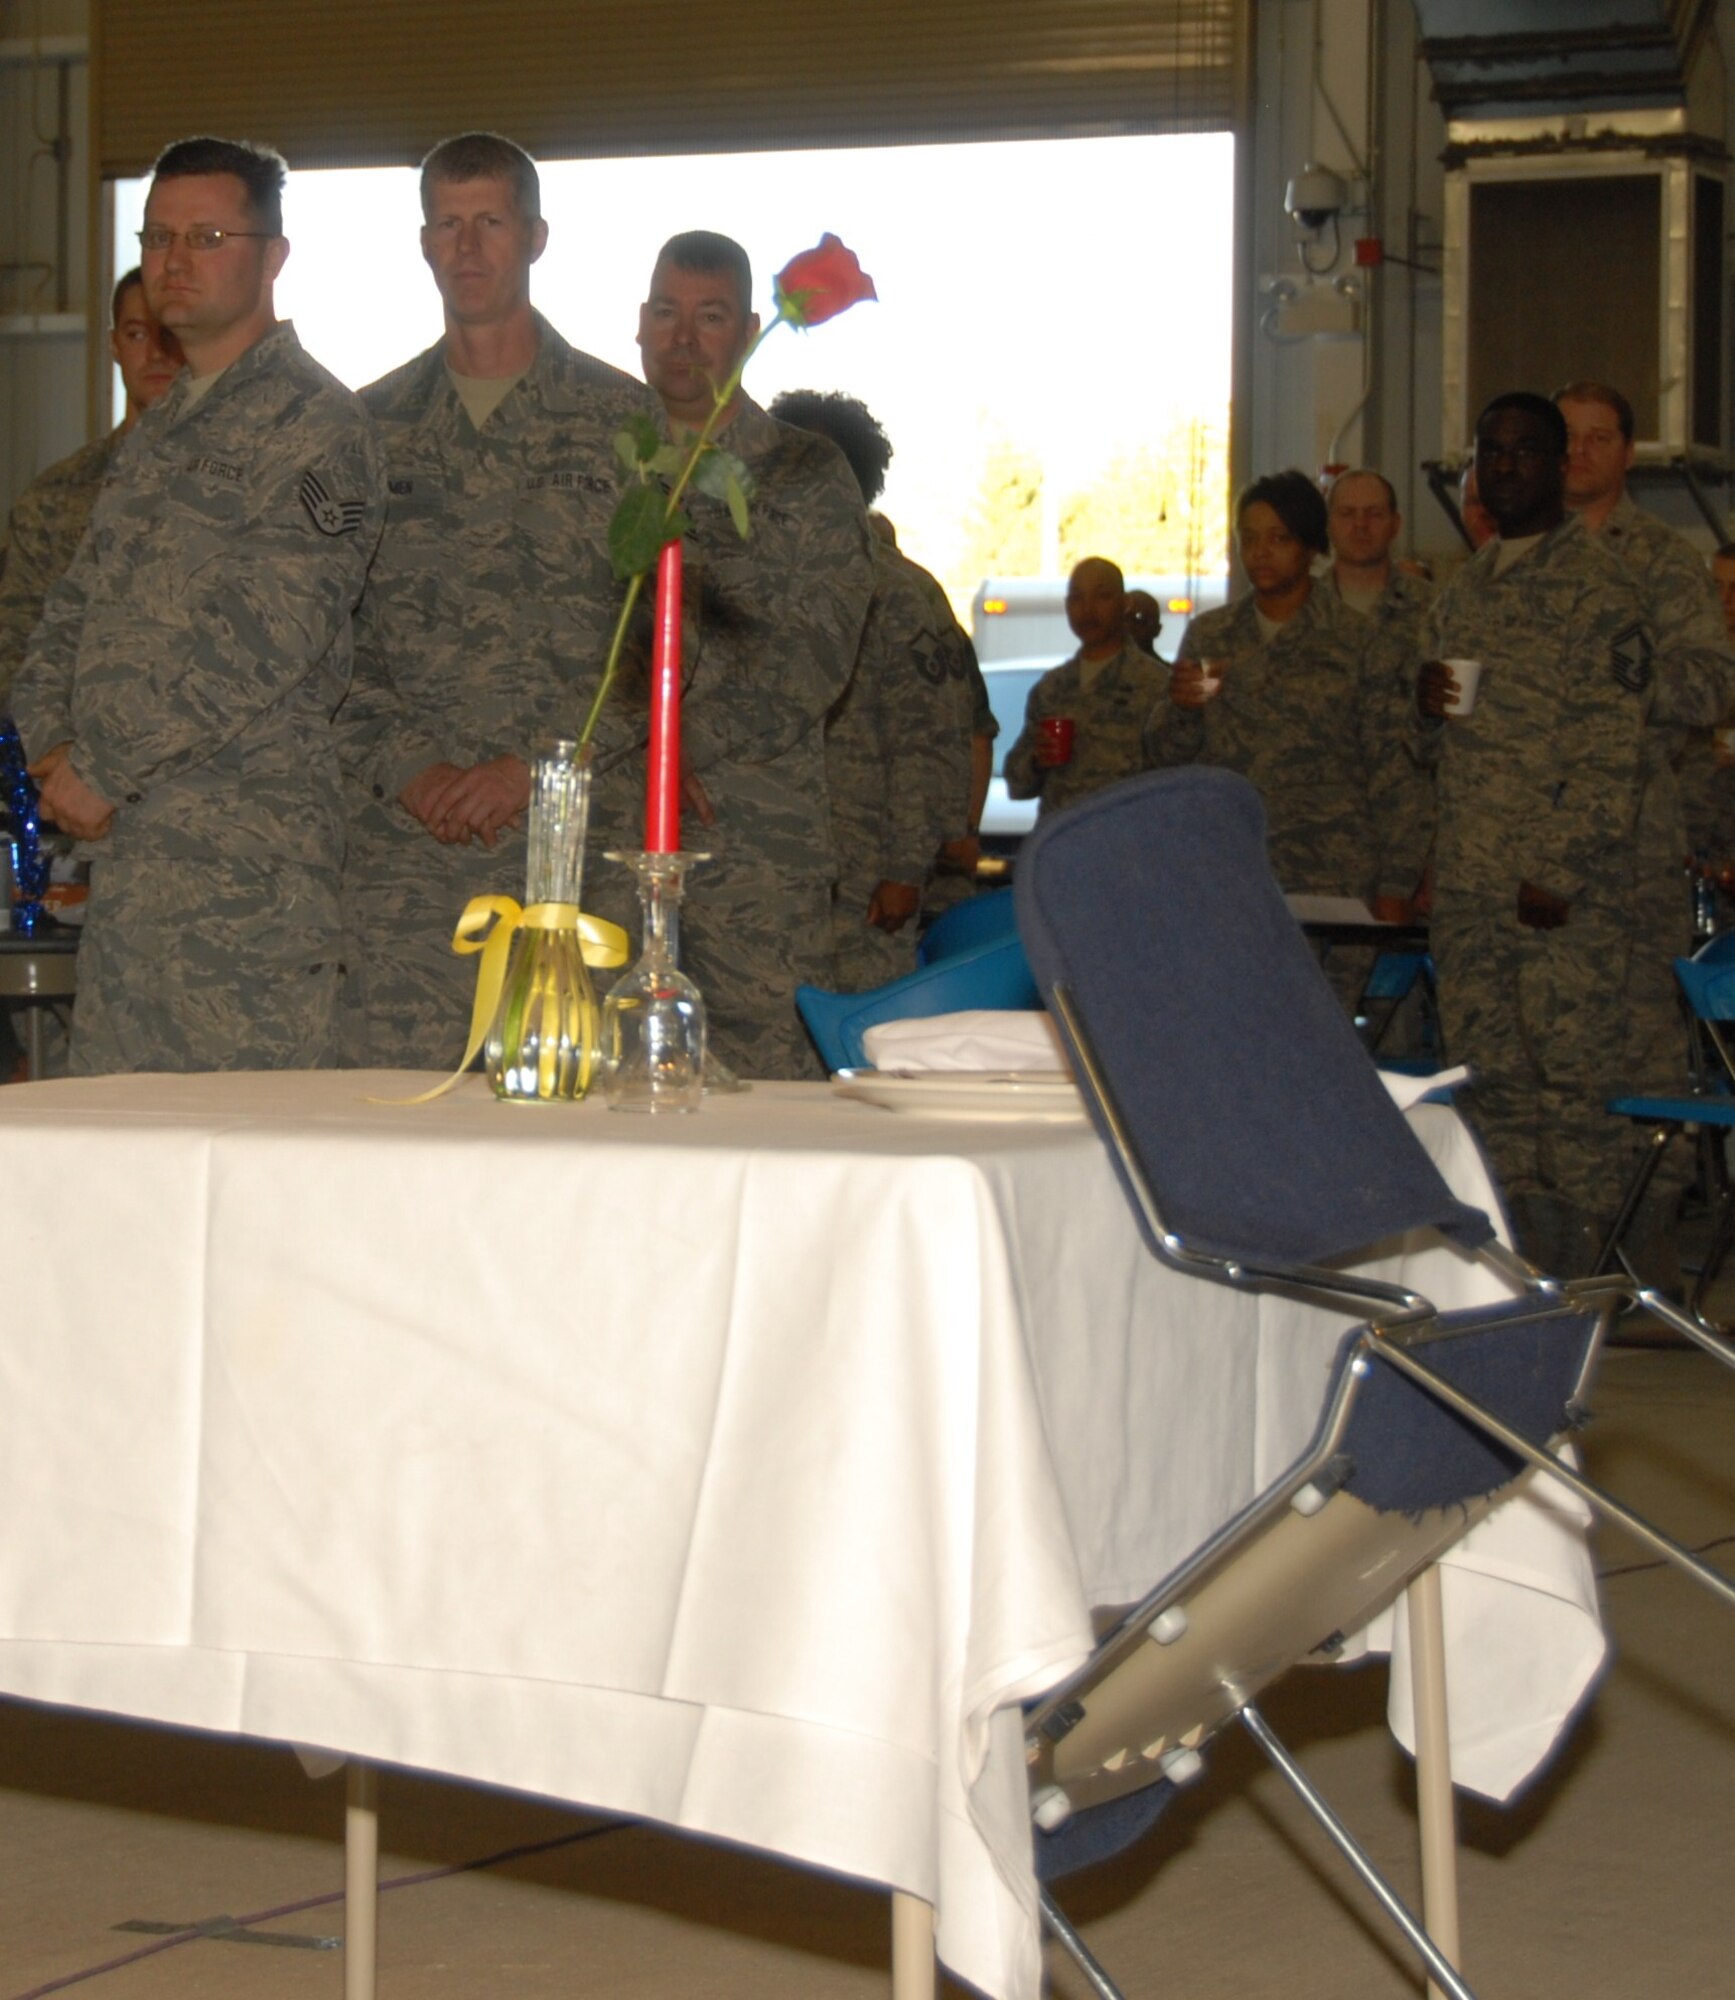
(912,1948)
(35,1043)
(361,1877)
(1434,1802)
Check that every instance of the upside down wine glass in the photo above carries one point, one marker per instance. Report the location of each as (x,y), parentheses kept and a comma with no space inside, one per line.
(653,1021)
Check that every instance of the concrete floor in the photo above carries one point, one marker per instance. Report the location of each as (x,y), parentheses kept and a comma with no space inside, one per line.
(1609,1880)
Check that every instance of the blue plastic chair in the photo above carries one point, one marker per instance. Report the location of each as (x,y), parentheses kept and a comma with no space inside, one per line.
(983,919)
(986,975)
(1707,983)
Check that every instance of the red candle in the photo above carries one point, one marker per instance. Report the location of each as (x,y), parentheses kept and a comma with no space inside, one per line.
(663,784)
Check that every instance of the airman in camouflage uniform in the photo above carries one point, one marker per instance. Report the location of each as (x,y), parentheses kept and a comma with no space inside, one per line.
(1694,673)
(1107,690)
(898,764)
(1539,791)
(482,634)
(1316,716)
(47,524)
(780,625)
(488,610)
(51,514)
(177,696)
(780,618)
(1694,685)
(897,741)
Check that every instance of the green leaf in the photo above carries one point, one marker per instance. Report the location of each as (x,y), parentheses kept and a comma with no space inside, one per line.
(711,474)
(666,461)
(637,444)
(722,476)
(637,532)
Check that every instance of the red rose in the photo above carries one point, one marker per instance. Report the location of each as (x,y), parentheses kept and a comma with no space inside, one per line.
(819,284)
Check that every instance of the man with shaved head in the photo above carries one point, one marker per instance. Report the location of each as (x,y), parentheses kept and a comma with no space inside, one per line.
(1084,720)
(779,627)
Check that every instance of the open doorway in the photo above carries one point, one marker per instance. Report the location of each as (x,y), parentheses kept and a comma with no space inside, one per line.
(1050,353)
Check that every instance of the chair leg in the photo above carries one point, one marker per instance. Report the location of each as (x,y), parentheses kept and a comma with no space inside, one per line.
(361,1881)
(1689,1324)
(1435,1806)
(1356,1855)
(1656,1146)
(1722,1236)
(1060,1929)
(912,1948)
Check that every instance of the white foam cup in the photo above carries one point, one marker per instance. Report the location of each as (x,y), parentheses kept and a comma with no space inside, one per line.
(1468,675)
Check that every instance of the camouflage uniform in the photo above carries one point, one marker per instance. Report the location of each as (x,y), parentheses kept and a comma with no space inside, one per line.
(897,759)
(780,619)
(193,655)
(1108,721)
(952,882)
(1541,783)
(1695,684)
(1708,798)
(483,631)
(42,537)
(1318,719)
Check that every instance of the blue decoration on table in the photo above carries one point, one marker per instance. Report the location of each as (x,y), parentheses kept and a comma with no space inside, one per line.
(30,864)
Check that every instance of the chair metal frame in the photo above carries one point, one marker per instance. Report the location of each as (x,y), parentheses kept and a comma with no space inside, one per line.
(1400,1321)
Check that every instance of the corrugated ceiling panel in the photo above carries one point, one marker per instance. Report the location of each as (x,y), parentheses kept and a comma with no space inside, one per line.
(376,82)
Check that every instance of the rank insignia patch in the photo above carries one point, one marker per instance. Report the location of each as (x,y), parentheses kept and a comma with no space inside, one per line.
(1630,655)
(329,516)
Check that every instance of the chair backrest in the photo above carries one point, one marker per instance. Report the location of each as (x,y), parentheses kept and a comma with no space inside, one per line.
(1709,986)
(983,919)
(987,975)
(1254,1115)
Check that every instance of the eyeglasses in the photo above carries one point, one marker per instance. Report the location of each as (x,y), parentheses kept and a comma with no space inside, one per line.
(200,237)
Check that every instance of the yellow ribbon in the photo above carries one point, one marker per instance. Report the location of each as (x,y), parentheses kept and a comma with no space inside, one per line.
(602,943)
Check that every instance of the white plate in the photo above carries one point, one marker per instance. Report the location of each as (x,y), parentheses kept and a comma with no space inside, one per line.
(1031,1096)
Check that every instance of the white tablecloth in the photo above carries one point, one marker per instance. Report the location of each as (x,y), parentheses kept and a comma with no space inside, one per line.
(741,1471)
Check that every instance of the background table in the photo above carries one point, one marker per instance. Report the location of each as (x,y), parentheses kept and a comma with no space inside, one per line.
(34,973)
(741,1471)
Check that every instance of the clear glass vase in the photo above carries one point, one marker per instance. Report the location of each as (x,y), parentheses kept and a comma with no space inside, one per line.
(545,1042)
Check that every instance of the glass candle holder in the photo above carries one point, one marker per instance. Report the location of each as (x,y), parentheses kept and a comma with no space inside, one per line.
(654,1018)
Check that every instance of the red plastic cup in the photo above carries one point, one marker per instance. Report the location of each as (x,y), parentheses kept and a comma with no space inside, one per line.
(1057,735)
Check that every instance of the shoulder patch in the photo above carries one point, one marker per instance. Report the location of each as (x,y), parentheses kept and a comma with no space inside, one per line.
(1630,655)
(329,516)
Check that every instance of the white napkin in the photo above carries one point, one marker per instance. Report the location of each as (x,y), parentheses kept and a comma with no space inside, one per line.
(1408,1090)
(975,1038)
(994,1038)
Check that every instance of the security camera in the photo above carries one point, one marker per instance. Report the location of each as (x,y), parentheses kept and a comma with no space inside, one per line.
(1314,197)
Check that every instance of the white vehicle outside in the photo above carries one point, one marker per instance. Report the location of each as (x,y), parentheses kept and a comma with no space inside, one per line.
(1019,628)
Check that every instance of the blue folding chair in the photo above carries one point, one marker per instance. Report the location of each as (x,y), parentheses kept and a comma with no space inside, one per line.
(986,975)
(983,919)
(1707,983)
(1258,1148)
